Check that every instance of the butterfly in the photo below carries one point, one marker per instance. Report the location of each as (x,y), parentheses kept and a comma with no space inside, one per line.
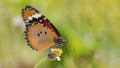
(40,33)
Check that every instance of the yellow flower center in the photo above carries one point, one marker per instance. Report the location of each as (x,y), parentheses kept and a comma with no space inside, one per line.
(58,51)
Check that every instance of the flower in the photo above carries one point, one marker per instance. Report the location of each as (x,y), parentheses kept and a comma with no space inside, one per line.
(52,55)
(55,53)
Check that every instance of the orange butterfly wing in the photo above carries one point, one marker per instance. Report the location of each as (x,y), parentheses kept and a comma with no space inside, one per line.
(40,33)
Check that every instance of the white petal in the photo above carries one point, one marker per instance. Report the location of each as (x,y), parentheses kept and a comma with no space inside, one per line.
(52,49)
(58,58)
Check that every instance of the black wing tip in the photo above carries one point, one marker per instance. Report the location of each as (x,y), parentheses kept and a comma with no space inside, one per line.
(27,7)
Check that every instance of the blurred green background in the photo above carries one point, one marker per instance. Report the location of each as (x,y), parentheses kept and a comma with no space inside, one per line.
(91,28)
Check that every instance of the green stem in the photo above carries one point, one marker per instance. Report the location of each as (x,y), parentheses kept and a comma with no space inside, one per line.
(37,65)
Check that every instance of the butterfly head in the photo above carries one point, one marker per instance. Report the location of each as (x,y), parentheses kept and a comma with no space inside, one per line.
(60,41)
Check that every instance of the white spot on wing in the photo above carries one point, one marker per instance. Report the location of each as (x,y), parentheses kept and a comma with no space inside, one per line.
(44,18)
(30,8)
(37,15)
(27,9)
(40,20)
(26,20)
(29,18)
